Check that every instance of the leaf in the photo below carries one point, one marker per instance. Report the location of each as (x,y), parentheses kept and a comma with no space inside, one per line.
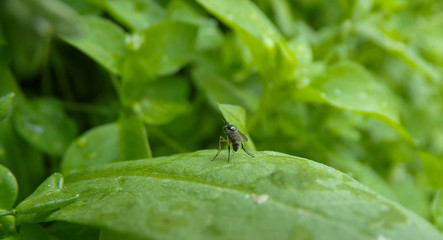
(133,139)
(433,168)
(101,40)
(270,52)
(209,36)
(70,231)
(49,196)
(33,24)
(32,232)
(162,50)
(97,146)
(277,195)
(437,209)
(351,87)
(157,111)
(6,106)
(157,102)
(136,14)
(7,224)
(43,123)
(407,53)
(23,160)
(219,89)
(236,116)
(8,188)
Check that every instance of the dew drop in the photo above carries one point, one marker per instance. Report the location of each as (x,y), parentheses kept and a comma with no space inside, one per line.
(363,95)
(337,91)
(81,142)
(262,199)
(91,155)
(35,128)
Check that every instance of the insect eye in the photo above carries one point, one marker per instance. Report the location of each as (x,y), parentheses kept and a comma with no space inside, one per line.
(233,128)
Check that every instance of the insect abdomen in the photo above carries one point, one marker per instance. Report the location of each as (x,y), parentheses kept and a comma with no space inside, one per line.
(235,146)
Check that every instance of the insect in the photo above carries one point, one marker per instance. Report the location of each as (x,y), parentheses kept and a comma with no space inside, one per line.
(234,137)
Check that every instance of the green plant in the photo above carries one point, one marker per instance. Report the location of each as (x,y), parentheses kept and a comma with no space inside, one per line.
(112,101)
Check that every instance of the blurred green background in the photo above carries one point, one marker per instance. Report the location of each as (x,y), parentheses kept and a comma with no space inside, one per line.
(354,84)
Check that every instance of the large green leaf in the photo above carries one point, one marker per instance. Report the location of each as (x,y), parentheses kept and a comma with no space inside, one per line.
(188,196)
(101,40)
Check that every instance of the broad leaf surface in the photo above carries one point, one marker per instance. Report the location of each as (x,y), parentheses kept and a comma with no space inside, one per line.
(277,195)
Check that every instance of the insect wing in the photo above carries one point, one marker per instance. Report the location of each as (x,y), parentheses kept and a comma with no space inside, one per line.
(243,137)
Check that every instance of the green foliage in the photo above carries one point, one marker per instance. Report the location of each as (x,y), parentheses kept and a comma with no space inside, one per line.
(121,96)
(278,195)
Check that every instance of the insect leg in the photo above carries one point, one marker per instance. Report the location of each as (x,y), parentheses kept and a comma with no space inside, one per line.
(229,151)
(219,147)
(243,147)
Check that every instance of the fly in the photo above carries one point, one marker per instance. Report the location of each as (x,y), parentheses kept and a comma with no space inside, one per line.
(234,137)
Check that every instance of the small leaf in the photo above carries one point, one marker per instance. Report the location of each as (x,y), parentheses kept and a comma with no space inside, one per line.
(433,167)
(97,146)
(277,195)
(156,111)
(136,14)
(209,36)
(8,188)
(437,209)
(6,106)
(159,101)
(43,123)
(270,52)
(133,139)
(162,50)
(49,196)
(7,225)
(101,40)
(219,89)
(236,116)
